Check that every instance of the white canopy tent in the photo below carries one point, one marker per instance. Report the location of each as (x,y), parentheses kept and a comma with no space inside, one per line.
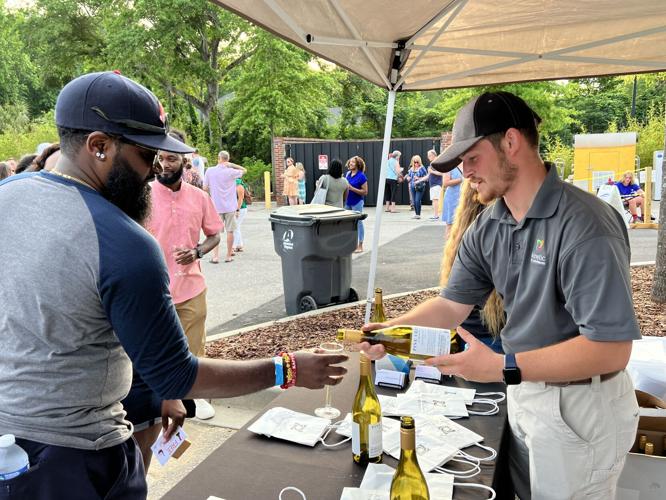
(428,44)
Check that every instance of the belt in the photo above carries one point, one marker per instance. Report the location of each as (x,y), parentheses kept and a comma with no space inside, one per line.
(585,381)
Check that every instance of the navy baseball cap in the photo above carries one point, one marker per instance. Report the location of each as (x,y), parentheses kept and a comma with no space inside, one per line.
(111,103)
(487,114)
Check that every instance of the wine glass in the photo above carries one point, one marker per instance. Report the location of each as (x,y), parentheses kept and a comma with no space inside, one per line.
(327,411)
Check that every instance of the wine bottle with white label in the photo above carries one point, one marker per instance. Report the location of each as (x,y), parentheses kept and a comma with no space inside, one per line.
(408,481)
(416,342)
(366,419)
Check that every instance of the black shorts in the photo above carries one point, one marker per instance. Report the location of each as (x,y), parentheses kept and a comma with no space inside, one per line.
(58,472)
(144,406)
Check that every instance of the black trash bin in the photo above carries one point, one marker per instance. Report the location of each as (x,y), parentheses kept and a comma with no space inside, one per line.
(315,243)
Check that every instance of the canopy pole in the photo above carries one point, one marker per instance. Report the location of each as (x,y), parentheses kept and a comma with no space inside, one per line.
(388,126)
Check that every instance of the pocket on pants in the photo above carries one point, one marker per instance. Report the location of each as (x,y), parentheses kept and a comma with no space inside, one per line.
(571,413)
(624,411)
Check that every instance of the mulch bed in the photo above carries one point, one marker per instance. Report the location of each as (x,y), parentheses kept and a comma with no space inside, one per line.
(303,333)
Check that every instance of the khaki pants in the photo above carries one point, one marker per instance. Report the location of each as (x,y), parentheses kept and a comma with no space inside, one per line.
(192,314)
(571,442)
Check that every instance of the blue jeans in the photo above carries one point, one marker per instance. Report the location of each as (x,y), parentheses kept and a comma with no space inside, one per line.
(417,196)
(358,208)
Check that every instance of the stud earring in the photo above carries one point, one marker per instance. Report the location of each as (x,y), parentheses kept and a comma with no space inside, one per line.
(100,155)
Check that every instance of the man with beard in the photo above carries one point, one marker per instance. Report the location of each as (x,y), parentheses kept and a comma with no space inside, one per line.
(559,257)
(87,298)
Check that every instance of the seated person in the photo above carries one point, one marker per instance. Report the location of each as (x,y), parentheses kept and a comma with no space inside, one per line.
(631,194)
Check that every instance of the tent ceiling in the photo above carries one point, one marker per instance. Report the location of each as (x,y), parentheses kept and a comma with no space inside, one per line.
(460,43)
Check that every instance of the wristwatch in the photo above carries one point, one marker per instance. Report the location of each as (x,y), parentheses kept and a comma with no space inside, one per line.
(199,250)
(511,371)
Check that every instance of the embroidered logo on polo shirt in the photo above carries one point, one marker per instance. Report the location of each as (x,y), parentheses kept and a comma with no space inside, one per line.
(539,252)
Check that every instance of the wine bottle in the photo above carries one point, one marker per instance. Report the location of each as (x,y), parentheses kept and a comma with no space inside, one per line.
(366,419)
(408,481)
(414,342)
(377,314)
(649,448)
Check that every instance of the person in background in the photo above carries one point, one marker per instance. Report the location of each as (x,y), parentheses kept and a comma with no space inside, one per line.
(393,173)
(199,163)
(485,322)
(301,183)
(632,195)
(73,327)
(435,183)
(451,182)
(358,190)
(291,182)
(417,176)
(11,163)
(337,185)
(190,174)
(4,170)
(24,163)
(47,159)
(241,188)
(559,258)
(220,183)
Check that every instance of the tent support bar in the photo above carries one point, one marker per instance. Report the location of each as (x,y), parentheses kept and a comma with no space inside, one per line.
(354,32)
(286,18)
(636,64)
(608,41)
(388,126)
(476,52)
(434,38)
(348,42)
(432,22)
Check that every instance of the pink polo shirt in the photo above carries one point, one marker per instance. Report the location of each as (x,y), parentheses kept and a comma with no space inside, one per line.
(177,219)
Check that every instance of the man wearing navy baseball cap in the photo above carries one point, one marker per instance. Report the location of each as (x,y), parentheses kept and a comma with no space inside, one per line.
(86,298)
(559,257)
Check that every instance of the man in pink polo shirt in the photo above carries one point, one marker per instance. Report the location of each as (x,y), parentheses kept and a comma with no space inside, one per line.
(220,182)
(180,212)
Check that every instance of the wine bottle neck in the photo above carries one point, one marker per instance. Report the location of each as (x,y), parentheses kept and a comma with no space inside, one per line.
(407,440)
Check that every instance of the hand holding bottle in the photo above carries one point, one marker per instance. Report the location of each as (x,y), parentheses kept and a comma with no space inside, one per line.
(376,351)
(314,371)
(478,362)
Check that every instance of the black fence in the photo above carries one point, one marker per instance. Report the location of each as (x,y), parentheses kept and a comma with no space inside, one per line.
(371,151)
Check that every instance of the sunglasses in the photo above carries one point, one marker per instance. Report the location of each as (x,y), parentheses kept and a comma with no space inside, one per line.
(136,125)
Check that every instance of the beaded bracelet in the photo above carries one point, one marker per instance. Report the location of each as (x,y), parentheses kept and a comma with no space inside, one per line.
(290,363)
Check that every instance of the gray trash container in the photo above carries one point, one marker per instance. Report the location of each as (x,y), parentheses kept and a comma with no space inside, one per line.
(315,243)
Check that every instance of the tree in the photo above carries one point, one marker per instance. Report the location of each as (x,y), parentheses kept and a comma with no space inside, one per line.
(658,293)
(276,92)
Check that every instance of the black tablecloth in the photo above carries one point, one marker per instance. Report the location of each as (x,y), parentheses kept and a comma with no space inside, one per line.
(252,467)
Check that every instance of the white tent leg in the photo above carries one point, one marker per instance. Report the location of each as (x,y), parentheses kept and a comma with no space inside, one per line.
(388,126)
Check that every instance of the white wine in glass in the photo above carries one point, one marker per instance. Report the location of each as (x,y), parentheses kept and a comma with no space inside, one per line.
(327,411)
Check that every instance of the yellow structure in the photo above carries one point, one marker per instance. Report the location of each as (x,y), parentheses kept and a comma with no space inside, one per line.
(600,156)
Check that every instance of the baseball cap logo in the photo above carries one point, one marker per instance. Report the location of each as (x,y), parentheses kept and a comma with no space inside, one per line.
(162,113)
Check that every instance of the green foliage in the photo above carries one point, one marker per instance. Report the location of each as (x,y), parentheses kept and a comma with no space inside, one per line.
(650,134)
(276,94)
(254,177)
(559,153)
(15,143)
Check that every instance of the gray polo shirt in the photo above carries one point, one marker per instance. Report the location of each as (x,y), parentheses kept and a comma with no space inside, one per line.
(562,271)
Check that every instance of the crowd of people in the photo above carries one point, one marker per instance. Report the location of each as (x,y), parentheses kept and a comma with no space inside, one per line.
(111,219)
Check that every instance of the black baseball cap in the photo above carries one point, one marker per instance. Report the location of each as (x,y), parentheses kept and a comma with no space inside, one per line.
(111,103)
(486,114)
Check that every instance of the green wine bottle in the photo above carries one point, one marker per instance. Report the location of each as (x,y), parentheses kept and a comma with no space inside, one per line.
(377,314)
(414,342)
(408,481)
(366,419)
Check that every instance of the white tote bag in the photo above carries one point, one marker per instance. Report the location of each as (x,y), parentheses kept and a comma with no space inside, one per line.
(319,197)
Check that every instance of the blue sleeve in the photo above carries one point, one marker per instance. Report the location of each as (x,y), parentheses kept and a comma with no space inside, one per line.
(134,289)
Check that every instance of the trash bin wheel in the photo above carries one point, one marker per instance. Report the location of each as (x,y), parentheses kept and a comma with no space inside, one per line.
(353,296)
(307,303)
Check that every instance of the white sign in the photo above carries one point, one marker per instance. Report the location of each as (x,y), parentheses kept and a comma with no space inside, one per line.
(323,162)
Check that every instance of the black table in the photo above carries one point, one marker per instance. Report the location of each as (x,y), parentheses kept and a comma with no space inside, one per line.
(252,467)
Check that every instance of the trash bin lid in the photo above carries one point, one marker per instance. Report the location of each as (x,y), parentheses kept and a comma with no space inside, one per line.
(313,213)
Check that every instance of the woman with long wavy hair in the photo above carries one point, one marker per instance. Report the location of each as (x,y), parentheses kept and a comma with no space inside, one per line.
(487,323)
